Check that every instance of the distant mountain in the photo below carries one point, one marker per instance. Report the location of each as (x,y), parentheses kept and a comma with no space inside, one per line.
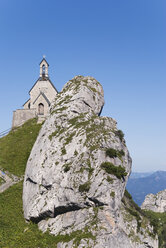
(140,174)
(139,187)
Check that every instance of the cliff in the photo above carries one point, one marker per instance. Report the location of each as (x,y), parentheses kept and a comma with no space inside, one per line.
(155,203)
(77,173)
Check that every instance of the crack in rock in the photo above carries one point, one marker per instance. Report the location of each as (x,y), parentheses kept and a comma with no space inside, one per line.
(30,180)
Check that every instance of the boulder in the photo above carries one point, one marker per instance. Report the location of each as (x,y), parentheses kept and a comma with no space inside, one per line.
(77,171)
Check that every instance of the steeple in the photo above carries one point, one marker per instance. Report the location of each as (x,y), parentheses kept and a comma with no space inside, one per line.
(44,68)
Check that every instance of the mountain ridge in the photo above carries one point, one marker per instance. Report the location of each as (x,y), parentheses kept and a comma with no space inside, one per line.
(140,187)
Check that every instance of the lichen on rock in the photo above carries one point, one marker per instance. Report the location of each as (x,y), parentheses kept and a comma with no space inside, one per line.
(66,187)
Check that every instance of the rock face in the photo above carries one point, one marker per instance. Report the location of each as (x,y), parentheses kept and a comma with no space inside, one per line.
(77,172)
(156,203)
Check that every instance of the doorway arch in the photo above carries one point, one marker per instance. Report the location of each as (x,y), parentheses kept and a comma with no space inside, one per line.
(41,109)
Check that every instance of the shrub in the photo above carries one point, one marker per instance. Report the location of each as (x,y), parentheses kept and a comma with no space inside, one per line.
(120,134)
(121,153)
(136,215)
(110,152)
(127,194)
(75,153)
(84,187)
(66,168)
(112,194)
(110,168)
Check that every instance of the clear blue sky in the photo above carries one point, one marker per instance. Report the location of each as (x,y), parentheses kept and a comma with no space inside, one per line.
(122,43)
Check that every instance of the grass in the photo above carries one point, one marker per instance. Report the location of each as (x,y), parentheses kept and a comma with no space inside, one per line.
(63,151)
(15,232)
(69,138)
(141,216)
(158,221)
(15,147)
(2,181)
(110,168)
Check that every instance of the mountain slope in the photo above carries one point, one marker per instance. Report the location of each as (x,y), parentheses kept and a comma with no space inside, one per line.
(16,147)
(140,187)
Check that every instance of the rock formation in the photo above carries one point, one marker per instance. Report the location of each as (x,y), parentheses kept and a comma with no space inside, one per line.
(156,203)
(77,173)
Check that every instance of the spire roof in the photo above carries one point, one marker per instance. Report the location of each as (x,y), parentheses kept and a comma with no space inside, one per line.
(44,59)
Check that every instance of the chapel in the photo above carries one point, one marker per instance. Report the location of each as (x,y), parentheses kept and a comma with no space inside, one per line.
(41,96)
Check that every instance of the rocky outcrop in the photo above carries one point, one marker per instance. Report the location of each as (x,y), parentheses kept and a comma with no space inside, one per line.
(77,172)
(156,203)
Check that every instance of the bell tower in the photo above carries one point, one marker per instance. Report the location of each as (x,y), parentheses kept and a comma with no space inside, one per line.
(44,68)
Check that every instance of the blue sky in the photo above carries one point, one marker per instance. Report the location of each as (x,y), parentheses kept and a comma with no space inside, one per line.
(120,43)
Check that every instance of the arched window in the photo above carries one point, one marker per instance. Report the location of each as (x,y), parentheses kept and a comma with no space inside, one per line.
(41,109)
(43,70)
(29,105)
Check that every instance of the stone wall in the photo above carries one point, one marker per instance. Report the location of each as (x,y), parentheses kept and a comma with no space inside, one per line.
(22,115)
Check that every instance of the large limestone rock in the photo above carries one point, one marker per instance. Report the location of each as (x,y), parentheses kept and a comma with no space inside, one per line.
(156,203)
(71,185)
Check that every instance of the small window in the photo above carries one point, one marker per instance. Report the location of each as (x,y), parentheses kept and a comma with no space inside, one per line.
(41,109)
(29,105)
(43,70)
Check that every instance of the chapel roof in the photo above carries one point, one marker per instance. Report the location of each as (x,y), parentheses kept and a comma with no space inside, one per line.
(44,79)
(26,102)
(41,93)
(44,60)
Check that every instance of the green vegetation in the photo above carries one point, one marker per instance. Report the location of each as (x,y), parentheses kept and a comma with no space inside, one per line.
(65,100)
(110,168)
(2,180)
(112,194)
(53,134)
(82,235)
(128,195)
(131,203)
(121,153)
(84,187)
(15,232)
(109,179)
(59,110)
(158,221)
(120,134)
(15,147)
(63,151)
(112,153)
(79,121)
(66,168)
(133,209)
(69,138)
(75,153)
